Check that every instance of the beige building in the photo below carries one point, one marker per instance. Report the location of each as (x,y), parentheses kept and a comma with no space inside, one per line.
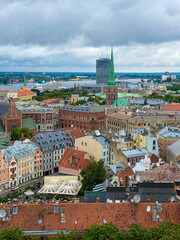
(96,146)
(116,146)
(127,121)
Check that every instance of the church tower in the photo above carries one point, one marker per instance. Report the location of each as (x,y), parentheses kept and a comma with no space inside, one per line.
(111,89)
(25,83)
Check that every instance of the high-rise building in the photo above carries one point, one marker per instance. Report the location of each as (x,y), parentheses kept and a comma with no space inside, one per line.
(111,89)
(102,70)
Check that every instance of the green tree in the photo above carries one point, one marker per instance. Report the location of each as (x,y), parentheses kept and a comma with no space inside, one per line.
(12,234)
(137,232)
(62,236)
(107,231)
(145,101)
(26,132)
(93,174)
(166,231)
(15,134)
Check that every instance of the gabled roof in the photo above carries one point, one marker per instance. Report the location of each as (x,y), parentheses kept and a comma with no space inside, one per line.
(174,149)
(75,133)
(74,159)
(4,107)
(25,92)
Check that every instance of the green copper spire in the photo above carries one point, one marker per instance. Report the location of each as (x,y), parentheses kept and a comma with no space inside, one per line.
(25,84)
(111,81)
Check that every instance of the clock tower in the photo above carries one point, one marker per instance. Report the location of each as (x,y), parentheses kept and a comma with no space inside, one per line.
(111,89)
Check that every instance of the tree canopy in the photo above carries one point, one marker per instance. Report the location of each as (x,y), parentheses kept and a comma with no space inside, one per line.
(16,133)
(93,174)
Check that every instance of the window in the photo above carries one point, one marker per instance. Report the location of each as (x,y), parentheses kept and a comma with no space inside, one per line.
(55,208)
(15,209)
(85,143)
(62,214)
(82,143)
(154,142)
(154,147)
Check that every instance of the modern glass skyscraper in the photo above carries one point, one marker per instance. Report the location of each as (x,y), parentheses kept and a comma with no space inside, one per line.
(102,70)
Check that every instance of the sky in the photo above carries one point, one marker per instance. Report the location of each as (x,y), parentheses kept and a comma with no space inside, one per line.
(69,35)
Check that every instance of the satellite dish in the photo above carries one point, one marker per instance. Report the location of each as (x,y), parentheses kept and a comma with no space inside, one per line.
(157,216)
(136,198)
(104,221)
(138,178)
(148,209)
(2,213)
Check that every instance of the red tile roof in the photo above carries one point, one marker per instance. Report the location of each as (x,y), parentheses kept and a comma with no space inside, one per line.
(154,158)
(25,92)
(49,100)
(86,214)
(172,107)
(128,171)
(74,159)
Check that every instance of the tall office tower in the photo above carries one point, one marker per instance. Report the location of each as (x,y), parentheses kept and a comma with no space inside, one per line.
(102,70)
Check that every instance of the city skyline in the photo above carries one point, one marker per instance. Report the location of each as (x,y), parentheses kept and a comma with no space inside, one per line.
(68,36)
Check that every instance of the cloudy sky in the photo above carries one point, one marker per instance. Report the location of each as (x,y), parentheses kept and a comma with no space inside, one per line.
(69,35)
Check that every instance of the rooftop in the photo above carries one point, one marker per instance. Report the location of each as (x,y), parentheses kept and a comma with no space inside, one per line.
(86,214)
(84,108)
(135,152)
(174,149)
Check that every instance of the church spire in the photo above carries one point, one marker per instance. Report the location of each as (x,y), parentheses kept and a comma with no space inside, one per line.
(25,83)
(111,81)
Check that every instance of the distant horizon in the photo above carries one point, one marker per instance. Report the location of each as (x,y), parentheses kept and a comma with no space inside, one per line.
(85,72)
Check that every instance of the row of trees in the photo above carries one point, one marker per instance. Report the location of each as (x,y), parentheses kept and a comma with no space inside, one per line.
(167,97)
(108,231)
(62,93)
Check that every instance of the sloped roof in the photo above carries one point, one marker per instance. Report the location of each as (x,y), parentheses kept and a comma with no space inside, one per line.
(25,92)
(77,161)
(174,149)
(4,143)
(172,107)
(4,107)
(29,122)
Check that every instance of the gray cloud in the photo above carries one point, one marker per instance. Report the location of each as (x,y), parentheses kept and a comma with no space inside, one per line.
(71,34)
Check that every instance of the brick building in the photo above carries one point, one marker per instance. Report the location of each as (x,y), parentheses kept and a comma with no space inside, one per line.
(89,118)
(43,117)
(10,116)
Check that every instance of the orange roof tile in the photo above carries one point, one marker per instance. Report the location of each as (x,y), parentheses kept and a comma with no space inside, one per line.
(86,214)
(171,107)
(74,159)
(49,100)
(25,92)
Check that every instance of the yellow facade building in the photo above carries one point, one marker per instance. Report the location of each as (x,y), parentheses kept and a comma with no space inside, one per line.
(139,141)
